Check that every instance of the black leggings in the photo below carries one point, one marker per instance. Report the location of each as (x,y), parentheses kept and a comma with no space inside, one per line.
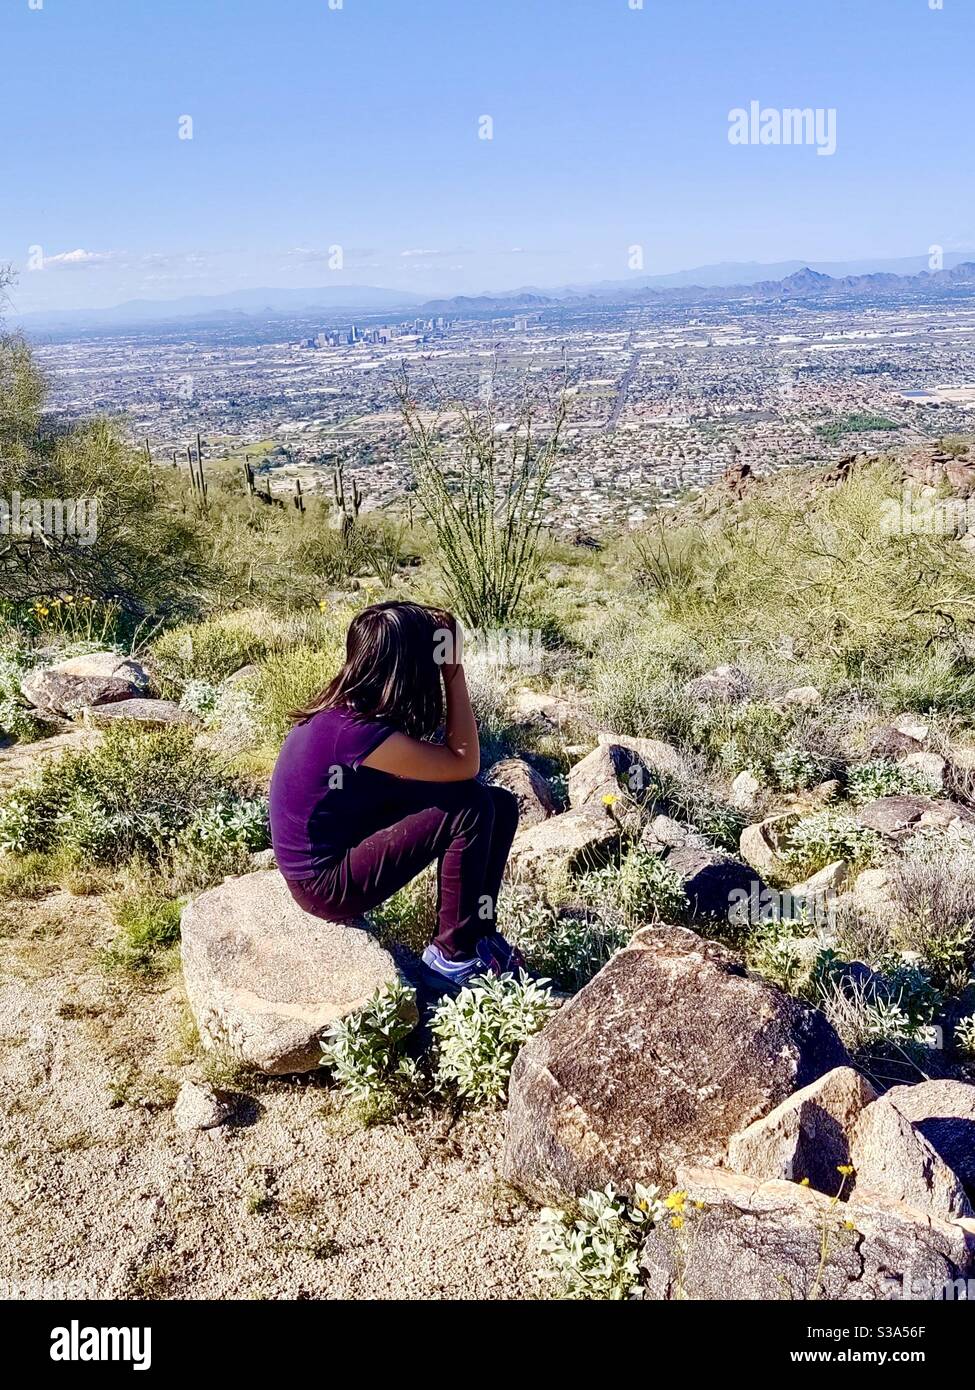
(465,826)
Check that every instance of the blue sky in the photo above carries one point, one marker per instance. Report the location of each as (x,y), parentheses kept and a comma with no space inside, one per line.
(358,127)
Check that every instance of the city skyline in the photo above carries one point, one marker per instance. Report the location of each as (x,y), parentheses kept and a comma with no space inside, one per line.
(232,147)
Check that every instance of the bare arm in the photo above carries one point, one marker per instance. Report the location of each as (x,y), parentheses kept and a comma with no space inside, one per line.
(458,761)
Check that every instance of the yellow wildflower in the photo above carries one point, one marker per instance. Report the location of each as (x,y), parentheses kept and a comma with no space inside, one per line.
(803,1182)
(609,799)
(845,1168)
(677,1222)
(676,1201)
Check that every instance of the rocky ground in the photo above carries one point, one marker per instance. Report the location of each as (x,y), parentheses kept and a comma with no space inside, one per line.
(103,1195)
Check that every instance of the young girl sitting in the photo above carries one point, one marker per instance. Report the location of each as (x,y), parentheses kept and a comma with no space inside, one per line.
(361,801)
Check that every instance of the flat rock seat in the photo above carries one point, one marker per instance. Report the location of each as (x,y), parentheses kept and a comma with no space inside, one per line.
(265,979)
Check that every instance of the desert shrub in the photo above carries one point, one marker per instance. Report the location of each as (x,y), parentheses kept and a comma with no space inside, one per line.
(16,717)
(670,566)
(289,679)
(210,650)
(482,492)
(936,678)
(383,543)
(594,1251)
(148,930)
(826,836)
(636,678)
(883,777)
(365,1051)
(965,1036)
(689,798)
(933,884)
(491,687)
(776,949)
(132,544)
(895,1004)
(568,947)
(134,794)
(480,1033)
(640,887)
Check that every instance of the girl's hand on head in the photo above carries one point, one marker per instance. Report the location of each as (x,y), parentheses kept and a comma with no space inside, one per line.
(449,639)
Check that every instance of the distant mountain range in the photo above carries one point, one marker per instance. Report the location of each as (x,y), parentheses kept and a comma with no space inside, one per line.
(730,281)
(212,308)
(803,283)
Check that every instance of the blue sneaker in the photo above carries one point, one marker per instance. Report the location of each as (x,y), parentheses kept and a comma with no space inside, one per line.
(454,972)
(499,957)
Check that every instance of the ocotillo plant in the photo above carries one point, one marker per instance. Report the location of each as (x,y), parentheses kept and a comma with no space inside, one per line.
(483,492)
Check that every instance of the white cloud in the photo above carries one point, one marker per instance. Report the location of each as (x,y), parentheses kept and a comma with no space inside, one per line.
(78,259)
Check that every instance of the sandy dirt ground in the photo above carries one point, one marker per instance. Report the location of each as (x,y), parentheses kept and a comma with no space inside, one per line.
(102,1196)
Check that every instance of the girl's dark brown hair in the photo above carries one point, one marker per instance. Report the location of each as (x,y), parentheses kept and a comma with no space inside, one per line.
(390,670)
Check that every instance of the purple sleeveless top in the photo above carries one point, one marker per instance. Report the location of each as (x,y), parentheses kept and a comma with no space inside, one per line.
(322,800)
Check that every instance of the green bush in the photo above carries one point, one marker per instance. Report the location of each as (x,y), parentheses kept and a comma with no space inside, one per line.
(883,777)
(134,794)
(965,1036)
(640,887)
(148,931)
(825,837)
(594,1251)
(570,946)
(480,1033)
(365,1052)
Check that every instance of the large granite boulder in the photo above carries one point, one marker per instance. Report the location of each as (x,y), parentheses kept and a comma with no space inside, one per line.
(769,1241)
(529,788)
(98,678)
(807,1136)
(893,1157)
(944,1112)
(266,979)
(672,1048)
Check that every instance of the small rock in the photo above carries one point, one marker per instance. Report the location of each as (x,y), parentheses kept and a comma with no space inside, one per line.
(725,685)
(831,879)
(807,1136)
(200,1107)
(242,675)
(146,713)
(931,766)
(263,858)
(745,791)
(911,727)
(892,1157)
(802,697)
(665,833)
(758,845)
(894,817)
(662,758)
(533,794)
(713,882)
(95,679)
